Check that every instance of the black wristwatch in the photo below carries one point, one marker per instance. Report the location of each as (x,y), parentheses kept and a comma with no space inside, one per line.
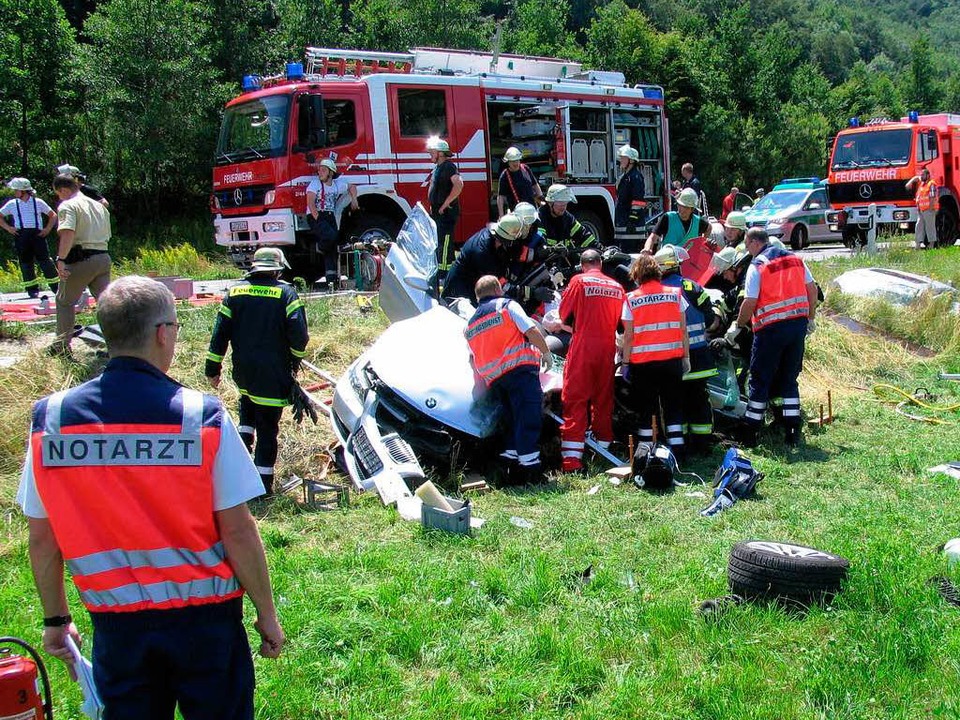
(57,621)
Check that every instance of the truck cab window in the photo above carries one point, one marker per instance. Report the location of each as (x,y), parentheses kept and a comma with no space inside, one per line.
(338,126)
(422,112)
(927,148)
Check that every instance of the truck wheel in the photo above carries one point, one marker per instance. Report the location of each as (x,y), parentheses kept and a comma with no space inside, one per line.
(854,239)
(798,238)
(371,226)
(946,223)
(593,223)
(763,569)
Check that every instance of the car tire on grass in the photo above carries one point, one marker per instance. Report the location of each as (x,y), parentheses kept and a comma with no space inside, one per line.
(762,569)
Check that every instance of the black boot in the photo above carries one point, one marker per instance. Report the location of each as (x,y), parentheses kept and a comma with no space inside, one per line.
(791,436)
(749,436)
(267,481)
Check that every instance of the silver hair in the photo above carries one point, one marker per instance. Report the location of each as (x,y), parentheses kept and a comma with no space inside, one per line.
(130,308)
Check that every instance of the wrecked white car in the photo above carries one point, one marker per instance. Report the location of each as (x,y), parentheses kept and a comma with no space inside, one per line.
(413,395)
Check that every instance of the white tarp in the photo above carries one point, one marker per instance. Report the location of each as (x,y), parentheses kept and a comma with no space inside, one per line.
(894,286)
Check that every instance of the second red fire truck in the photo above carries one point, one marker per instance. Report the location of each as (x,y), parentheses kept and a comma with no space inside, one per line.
(372,113)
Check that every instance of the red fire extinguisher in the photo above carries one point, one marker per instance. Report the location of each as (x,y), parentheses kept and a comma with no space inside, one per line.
(19,687)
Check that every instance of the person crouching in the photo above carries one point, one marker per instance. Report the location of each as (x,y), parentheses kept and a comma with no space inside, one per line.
(504,344)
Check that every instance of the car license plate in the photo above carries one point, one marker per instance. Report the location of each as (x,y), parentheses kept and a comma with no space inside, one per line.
(239,226)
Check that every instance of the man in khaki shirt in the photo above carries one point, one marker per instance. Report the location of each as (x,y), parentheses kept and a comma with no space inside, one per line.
(82,258)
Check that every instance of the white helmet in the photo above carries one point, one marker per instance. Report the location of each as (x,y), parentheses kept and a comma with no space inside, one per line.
(268,259)
(71,170)
(329,164)
(629,153)
(19,183)
(737,220)
(670,256)
(688,198)
(437,143)
(560,193)
(512,154)
(527,213)
(508,227)
(725,259)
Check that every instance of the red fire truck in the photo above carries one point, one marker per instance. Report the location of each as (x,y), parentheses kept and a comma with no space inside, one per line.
(871,164)
(372,113)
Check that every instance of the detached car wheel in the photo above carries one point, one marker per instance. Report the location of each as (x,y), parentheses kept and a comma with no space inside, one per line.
(763,569)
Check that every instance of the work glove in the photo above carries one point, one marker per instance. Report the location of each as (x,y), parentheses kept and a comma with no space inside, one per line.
(542,294)
(732,333)
(811,326)
(720,344)
(301,404)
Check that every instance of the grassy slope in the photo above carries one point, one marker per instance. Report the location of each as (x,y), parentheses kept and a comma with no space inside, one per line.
(387,620)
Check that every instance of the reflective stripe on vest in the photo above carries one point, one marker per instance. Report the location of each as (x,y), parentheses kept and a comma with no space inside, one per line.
(927,196)
(496,342)
(696,329)
(155,543)
(783,288)
(676,235)
(657,323)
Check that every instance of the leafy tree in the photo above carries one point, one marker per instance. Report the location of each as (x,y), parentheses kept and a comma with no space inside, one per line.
(539,28)
(922,86)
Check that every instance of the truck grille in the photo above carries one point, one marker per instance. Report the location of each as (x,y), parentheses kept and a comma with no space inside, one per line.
(249,195)
(868,192)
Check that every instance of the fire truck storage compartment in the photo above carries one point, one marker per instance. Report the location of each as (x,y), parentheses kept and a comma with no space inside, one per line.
(591,157)
(642,131)
(529,127)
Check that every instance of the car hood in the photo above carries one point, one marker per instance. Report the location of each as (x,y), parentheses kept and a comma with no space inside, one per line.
(426,361)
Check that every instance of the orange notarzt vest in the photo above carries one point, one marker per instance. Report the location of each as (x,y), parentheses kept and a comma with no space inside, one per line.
(927,196)
(496,342)
(657,323)
(131,505)
(783,288)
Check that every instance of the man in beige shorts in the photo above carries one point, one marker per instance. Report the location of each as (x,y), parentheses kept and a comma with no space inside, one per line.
(82,258)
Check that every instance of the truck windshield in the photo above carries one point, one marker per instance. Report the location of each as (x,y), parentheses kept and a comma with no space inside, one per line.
(255,129)
(880,148)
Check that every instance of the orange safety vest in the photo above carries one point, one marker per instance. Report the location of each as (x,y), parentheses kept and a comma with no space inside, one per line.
(927,196)
(496,342)
(657,323)
(783,288)
(131,505)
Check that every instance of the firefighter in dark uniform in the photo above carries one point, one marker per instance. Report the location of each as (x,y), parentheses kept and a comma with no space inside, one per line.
(730,267)
(445,187)
(700,318)
(264,320)
(780,301)
(629,213)
(507,350)
(560,227)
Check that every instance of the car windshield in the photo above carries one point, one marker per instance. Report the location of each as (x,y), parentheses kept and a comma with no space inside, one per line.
(255,129)
(779,200)
(880,148)
(418,239)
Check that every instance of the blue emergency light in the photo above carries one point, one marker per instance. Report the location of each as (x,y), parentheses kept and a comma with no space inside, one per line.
(251,83)
(650,93)
(913,116)
(295,71)
(854,122)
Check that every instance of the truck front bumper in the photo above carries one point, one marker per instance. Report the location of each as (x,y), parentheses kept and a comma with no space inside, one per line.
(858,216)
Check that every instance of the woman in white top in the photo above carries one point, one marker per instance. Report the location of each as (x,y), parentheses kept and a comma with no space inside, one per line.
(32,222)
(323,194)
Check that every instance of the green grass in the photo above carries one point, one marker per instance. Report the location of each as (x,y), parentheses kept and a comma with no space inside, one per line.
(387,620)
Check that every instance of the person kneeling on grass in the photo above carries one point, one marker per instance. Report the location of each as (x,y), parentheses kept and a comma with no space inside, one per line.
(504,344)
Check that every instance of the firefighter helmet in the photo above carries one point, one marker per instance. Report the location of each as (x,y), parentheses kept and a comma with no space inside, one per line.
(19,183)
(670,256)
(437,143)
(268,259)
(737,220)
(526,212)
(512,154)
(507,228)
(725,259)
(688,198)
(629,153)
(71,170)
(560,193)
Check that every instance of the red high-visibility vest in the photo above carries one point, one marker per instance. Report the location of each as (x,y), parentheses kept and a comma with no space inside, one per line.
(783,288)
(131,505)
(496,342)
(657,323)
(927,196)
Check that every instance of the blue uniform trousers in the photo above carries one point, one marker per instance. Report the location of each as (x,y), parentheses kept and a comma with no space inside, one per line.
(522,398)
(775,364)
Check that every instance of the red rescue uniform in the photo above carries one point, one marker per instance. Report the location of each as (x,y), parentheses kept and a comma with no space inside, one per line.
(591,304)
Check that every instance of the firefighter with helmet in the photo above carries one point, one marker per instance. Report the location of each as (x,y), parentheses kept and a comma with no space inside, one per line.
(680,226)
(529,217)
(265,322)
(629,213)
(560,227)
(445,187)
(591,306)
(517,184)
(780,302)
(734,228)
(507,351)
(496,250)
(700,319)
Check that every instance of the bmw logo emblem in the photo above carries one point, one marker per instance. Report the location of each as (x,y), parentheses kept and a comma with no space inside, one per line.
(431,403)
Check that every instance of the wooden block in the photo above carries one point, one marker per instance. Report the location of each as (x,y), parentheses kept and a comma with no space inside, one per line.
(619,472)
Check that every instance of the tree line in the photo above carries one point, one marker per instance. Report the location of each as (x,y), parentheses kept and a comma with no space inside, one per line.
(131,91)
